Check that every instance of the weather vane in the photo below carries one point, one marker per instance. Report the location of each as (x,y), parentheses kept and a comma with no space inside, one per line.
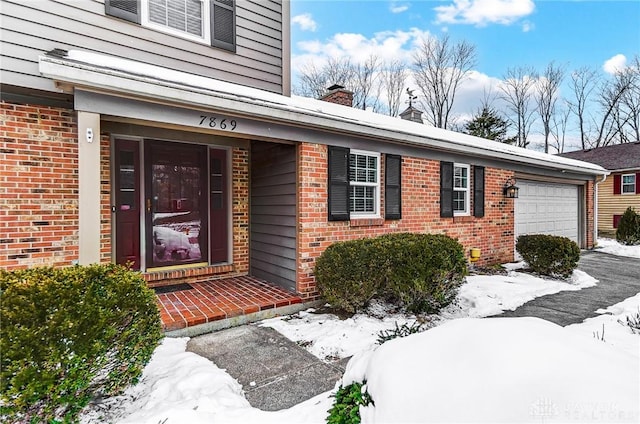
(412,97)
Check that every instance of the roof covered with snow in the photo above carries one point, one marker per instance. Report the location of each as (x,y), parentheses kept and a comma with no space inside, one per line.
(114,74)
(616,157)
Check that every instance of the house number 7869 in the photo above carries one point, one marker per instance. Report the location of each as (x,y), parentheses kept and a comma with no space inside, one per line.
(213,122)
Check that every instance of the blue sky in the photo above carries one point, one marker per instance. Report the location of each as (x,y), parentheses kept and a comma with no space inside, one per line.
(601,34)
(506,33)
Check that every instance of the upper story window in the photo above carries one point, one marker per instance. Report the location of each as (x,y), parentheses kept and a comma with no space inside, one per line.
(628,183)
(460,189)
(206,21)
(364,181)
(181,17)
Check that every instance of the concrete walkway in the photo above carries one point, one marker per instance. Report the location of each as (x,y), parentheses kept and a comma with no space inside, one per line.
(618,278)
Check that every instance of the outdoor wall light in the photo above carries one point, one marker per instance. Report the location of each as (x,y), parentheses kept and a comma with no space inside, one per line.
(510,190)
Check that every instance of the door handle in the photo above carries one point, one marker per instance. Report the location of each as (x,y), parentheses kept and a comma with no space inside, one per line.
(148,205)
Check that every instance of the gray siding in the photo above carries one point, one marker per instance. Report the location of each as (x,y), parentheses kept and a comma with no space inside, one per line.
(272,249)
(31,28)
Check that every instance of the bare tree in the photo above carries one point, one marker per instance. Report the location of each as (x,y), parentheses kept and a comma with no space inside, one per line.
(517,90)
(438,69)
(614,117)
(583,81)
(314,81)
(394,75)
(546,96)
(559,124)
(630,102)
(366,84)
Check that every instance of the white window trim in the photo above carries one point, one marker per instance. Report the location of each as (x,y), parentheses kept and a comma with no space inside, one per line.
(366,215)
(622,184)
(467,191)
(206,30)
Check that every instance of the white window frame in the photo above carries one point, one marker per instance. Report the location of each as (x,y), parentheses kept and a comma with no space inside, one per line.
(633,184)
(376,185)
(467,190)
(206,24)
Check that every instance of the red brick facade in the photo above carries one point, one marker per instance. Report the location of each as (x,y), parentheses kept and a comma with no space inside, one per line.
(38,186)
(493,233)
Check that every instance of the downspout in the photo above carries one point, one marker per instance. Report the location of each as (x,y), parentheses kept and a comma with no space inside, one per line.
(595,205)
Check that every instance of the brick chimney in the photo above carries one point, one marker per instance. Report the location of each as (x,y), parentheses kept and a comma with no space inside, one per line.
(338,94)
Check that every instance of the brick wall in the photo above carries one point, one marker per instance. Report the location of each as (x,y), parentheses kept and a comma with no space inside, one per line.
(493,233)
(38,186)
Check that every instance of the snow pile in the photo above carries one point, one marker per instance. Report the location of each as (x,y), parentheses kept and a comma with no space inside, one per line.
(614,248)
(498,370)
(611,327)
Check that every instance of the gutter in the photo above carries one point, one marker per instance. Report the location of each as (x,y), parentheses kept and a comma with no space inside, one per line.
(276,108)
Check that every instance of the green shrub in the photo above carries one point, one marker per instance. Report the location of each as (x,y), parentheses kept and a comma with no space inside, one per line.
(348,274)
(421,272)
(424,271)
(549,255)
(346,407)
(70,335)
(628,231)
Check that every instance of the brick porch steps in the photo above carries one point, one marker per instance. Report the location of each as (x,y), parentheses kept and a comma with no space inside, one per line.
(186,312)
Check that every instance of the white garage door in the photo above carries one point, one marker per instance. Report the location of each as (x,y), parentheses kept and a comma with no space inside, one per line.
(547,208)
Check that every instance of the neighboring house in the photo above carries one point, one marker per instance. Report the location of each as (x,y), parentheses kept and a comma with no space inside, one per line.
(621,189)
(168,139)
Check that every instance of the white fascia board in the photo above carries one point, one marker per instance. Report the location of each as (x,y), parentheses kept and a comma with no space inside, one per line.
(303,112)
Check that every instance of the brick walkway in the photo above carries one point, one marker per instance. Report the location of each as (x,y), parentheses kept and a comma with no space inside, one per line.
(200,303)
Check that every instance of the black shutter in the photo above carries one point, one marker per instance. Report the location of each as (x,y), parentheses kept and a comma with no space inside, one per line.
(124,9)
(393,187)
(338,184)
(223,24)
(478,191)
(446,189)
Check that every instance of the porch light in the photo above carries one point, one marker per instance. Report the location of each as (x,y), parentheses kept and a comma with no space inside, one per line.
(510,190)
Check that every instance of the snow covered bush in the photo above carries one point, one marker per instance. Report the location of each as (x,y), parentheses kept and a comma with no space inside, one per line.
(70,335)
(346,407)
(549,255)
(420,272)
(628,231)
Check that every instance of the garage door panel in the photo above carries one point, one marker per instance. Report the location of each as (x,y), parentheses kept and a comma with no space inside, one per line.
(547,208)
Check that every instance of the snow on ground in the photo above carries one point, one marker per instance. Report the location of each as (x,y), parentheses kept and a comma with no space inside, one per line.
(612,247)
(498,370)
(509,369)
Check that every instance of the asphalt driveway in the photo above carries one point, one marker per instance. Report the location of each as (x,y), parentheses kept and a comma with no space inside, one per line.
(618,278)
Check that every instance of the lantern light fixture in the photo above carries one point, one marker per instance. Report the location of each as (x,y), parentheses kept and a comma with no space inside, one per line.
(510,190)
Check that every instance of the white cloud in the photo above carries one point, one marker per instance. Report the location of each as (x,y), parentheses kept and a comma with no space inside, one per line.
(305,21)
(484,12)
(528,26)
(395,7)
(615,64)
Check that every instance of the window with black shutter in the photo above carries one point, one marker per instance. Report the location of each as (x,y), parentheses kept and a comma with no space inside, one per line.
(210,21)
(478,191)
(446,189)
(393,187)
(338,184)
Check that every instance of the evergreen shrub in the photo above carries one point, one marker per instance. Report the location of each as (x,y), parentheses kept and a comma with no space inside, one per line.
(349,274)
(421,272)
(628,231)
(70,335)
(346,406)
(549,255)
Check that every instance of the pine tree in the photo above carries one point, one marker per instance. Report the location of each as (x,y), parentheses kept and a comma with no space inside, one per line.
(490,125)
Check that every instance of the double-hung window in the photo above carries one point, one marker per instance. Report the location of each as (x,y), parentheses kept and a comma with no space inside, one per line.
(364,184)
(629,183)
(186,18)
(460,189)
(205,21)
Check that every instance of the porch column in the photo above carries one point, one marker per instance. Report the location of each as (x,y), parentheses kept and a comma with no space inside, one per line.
(88,187)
